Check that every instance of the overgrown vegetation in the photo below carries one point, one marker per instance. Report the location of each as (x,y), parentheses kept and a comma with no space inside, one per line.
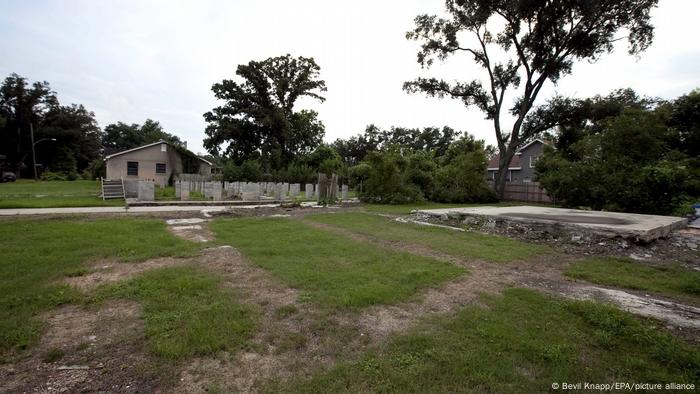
(519,342)
(626,153)
(330,270)
(670,280)
(186,311)
(468,245)
(399,174)
(36,254)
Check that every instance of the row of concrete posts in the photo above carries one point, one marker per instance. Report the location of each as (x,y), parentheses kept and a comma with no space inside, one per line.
(246,191)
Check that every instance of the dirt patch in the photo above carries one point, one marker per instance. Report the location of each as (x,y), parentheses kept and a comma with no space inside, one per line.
(110,271)
(544,273)
(101,350)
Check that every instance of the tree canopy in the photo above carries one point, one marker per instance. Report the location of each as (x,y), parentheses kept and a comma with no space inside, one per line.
(258,118)
(71,132)
(121,136)
(627,153)
(522,44)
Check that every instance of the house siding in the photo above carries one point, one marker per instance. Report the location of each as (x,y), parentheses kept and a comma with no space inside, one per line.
(525,173)
(147,159)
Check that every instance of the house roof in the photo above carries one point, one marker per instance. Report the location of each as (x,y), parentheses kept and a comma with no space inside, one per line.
(513,165)
(148,146)
(515,161)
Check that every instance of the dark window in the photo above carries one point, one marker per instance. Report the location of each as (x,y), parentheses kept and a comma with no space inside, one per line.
(132,168)
(160,168)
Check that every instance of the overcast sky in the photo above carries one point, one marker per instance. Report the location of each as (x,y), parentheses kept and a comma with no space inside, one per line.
(132,60)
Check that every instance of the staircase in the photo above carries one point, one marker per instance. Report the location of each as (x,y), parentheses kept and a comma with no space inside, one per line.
(112,188)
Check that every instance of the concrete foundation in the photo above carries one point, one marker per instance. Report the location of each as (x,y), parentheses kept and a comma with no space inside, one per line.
(640,228)
(147,191)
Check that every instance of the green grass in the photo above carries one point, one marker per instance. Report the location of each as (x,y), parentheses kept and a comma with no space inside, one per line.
(36,254)
(51,194)
(186,312)
(164,193)
(470,245)
(328,269)
(520,342)
(405,209)
(670,280)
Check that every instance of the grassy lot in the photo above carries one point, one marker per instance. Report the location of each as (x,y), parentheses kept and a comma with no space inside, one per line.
(49,194)
(521,342)
(670,280)
(186,311)
(469,245)
(330,270)
(405,209)
(37,253)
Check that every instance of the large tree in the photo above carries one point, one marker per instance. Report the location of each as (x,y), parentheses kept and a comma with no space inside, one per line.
(22,105)
(522,44)
(122,136)
(77,139)
(258,117)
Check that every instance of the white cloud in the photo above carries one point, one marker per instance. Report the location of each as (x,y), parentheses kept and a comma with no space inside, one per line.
(132,60)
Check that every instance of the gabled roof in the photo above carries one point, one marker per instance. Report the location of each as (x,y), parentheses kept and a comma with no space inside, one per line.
(148,146)
(513,165)
(515,161)
(543,142)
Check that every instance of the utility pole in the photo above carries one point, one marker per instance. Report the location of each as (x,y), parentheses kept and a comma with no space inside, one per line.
(31,134)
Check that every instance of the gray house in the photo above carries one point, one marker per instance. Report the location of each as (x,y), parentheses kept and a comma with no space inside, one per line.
(522,166)
(155,162)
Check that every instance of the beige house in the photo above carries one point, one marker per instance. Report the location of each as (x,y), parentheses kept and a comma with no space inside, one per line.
(156,162)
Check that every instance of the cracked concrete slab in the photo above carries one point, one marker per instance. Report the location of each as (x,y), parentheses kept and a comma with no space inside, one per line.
(643,228)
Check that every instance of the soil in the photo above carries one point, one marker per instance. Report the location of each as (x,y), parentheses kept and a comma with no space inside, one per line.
(104,349)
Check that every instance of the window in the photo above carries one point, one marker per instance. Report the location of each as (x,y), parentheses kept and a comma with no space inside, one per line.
(160,168)
(533,161)
(132,168)
(163,147)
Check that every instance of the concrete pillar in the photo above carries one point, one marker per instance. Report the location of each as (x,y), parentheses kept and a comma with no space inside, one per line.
(147,191)
(178,187)
(216,191)
(208,190)
(279,191)
(184,191)
(294,189)
(309,191)
(345,192)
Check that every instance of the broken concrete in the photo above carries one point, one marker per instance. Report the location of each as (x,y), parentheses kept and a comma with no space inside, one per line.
(639,228)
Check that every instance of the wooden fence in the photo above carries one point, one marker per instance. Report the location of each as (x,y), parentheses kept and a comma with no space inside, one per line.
(526,191)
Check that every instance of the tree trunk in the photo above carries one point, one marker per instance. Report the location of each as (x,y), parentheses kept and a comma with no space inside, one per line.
(503,164)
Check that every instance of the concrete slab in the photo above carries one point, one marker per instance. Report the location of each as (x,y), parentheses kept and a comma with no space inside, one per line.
(643,228)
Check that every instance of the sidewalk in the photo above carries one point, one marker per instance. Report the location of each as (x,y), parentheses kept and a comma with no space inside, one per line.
(134,210)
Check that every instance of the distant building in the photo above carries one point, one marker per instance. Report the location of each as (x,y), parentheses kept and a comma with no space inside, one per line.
(522,166)
(156,162)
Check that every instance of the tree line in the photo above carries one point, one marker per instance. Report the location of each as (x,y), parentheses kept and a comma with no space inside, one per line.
(67,138)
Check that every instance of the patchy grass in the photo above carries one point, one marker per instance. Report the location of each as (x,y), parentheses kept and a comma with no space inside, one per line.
(36,254)
(671,280)
(51,194)
(52,355)
(470,245)
(331,270)
(405,209)
(521,342)
(186,312)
